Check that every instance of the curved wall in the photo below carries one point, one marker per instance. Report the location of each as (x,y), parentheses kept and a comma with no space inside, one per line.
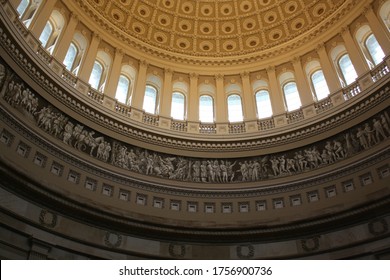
(65,196)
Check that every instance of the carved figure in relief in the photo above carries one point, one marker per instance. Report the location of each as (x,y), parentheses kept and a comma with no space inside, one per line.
(256,171)
(78,129)
(8,93)
(92,142)
(370,135)
(275,166)
(217,171)
(378,128)
(59,124)
(210,172)
(230,170)
(349,148)
(385,124)
(203,171)
(196,171)
(15,95)
(361,135)
(330,151)
(244,171)
(338,149)
(224,172)
(290,165)
(282,164)
(2,74)
(68,133)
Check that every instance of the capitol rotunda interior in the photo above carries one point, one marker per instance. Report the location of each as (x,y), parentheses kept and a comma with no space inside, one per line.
(193,130)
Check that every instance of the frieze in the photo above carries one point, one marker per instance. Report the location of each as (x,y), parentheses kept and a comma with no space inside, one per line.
(197,145)
(190,169)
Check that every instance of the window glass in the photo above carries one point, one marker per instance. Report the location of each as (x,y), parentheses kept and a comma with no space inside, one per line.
(122,89)
(347,69)
(150,99)
(374,49)
(45,35)
(263,104)
(178,106)
(319,83)
(235,108)
(22,7)
(70,56)
(96,75)
(291,96)
(206,109)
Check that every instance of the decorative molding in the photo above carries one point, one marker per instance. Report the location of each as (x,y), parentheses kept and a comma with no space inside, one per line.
(48,218)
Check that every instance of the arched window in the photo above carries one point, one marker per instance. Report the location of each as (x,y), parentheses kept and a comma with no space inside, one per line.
(374,49)
(206,109)
(291,96)
(347,69)
(384,12)
(22,7)
(235,108)
(70,57)
(96,75)
(122,90)
(319,84)
(46,33)
(263,104)
(178,106)
(150,99)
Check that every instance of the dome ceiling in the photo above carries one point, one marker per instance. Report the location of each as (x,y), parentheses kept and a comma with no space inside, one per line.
(214,28)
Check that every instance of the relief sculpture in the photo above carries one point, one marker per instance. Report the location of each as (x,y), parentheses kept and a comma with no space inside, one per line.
(203,170)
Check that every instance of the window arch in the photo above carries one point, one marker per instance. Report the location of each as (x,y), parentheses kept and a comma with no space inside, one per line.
(343,65)
(46,33)
(206,109)
(100,70)
(70,56)
(27,10)
(52,31)
(75,53)
(178,106)
(369,46)
(263,104)
(122,91)
(291,96)
(317,80)
(96,75)
(150,99)
(319,84)
(347,69)
(384,13)
(235,108)
(374,49)
(22,8)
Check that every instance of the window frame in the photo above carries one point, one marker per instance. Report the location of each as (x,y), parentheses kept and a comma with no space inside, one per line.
(257,92)
(184,105)
(287,82)
(228,110)
(155,99)
(212,106)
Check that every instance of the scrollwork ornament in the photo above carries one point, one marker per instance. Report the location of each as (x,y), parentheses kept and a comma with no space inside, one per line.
(112,239)
(48,218)
(245,251)
(378,227)
(177,250)
(311,244)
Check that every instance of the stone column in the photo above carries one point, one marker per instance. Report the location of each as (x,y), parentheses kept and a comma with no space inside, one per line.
(90,57)
(63,44)
(331,77)
(113,78)
(221,115)
(166,95)
(357,59)
(41,17)
(277,100)
(193,99)
(379,32)
(301,80)
(139,91)
(248,98)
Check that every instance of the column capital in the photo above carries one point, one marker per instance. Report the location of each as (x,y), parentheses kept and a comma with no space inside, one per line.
(320,46)
(244,74)
(96,36)
(74,17)
(168,71)
(143,63)
(119,51)
(296,59)
(219,77)
(194,75)
(367,9)
(270,68)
